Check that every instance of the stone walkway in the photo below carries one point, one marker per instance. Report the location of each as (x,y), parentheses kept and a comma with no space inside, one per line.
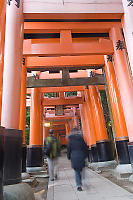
(97,188)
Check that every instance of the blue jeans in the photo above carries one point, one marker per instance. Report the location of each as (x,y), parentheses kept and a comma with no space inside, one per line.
(78,177)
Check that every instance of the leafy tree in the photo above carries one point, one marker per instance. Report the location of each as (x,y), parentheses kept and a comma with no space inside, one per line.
(105,110)
(69,94)
(50,95)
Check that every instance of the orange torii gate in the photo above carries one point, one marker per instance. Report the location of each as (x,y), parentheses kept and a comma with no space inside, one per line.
(2,133)
(71,62)
(66,44)
(63,46)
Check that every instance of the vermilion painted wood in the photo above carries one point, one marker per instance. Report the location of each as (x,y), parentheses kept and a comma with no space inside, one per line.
(60,101)
(2,41)
(36,136)
(64,89)
(78,27)
(53,47)
(124,79)
(90,117)
(22,120)
(100,127)
(73,15)
(116,104)
(127,22)
(12,66)
(64,61)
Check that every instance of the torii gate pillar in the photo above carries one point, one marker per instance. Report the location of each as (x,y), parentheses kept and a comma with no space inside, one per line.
(103,144)
(92,136)
(127,22)
(118,114)
(22,120)
(2,36)
(125,83)
(12,92)
(34,151)
(2,41)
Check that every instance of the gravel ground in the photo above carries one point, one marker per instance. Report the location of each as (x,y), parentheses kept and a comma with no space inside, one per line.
(127,185)
(40,190)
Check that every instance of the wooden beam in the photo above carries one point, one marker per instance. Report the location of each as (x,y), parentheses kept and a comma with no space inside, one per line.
(60,128)
(64,117)
(58,89)
(78,27)
(66,110)
(73,16)
(57,123)
(63,89)
(58,63)
(52,47)
(59,101)
(97,80)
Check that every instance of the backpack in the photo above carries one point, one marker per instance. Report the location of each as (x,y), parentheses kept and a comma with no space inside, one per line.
(48,147)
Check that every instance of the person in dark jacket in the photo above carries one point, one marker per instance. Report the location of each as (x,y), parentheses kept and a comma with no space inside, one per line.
(77,152)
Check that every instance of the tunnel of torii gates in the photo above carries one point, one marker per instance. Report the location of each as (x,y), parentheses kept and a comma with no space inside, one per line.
(82,56)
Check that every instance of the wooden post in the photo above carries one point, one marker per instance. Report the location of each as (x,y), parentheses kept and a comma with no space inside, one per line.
(117,110)
(103,144)
(2,42)
(90,118)
(12,91)
(127,22)
(34,154)
(124,78)
(22,120)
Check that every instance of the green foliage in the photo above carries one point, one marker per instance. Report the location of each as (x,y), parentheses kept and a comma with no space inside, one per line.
(27,130)
(69,94)
(105,109)
(27,117)
(50,95)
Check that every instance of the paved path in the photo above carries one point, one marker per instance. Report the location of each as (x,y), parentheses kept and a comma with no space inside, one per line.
(98,187)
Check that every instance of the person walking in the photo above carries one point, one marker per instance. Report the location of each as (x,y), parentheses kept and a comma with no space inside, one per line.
(77,152)
(52,152)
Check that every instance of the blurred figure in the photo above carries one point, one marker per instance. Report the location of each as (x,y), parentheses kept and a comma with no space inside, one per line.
(77,152)
(52,152)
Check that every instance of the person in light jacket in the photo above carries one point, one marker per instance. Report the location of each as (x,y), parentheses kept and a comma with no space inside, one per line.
(77,152)
(52,158)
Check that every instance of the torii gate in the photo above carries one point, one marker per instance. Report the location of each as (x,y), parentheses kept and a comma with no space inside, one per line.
(122,107)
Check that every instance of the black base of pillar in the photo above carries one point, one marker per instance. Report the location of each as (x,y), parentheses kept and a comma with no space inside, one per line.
(24,155)
(34,156)
(122,151)
(130,149)
(104,150)
(1,160)
(12,156)
(94,154)
(89,155)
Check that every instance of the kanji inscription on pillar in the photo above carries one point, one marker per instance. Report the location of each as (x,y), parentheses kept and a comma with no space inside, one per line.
(120,45)
(109,58)
(130,2)
(17,3)
(23,61)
